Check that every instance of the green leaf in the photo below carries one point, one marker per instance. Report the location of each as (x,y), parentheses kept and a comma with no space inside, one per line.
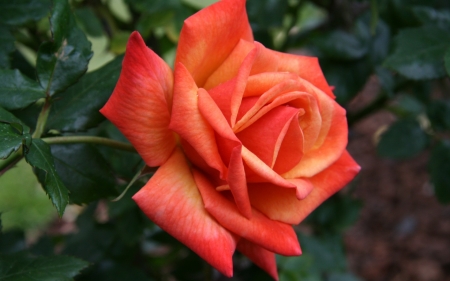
(8,117)
(428,15)
(10,140)
(447,61)
(407,106)
(22,267)
(419,52)
(405,138)
(84,172)
(89,22)
(438,112)
(347,77)
(6,46)
(40,157)
(340,45)
(19,12)
(77,109)
(440,171)
(62,62)
(12,133)
(18,91)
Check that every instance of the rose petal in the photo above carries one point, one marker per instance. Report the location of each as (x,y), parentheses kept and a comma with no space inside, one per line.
(230,67)
(260,256)
(172,201)
(140,104)
(305,67)
(208,37)
(282,203)
(334,142)
(231,151)
(188,122)
(266,136)
(261,171)
(274,236)
(228,95)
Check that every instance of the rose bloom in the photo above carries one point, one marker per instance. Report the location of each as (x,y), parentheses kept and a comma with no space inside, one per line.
(249,141)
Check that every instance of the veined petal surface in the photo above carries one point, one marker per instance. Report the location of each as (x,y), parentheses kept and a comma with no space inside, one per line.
(140,103)
(172,201)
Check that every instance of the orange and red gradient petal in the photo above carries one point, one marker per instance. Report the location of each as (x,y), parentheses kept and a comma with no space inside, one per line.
(260,256)
(272,235)
(305,67)
(140,104)
(334,143)
(188,122)
(172,201)
(236,174)
(208,37)
(282,203)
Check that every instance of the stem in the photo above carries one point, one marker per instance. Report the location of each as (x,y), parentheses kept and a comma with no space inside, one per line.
(42,120)
(90,139)
(9,162)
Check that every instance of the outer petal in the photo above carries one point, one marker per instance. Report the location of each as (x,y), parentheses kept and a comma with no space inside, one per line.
(140,103)
(282,203)
(260,256)
(172,201)
(209,36)
(188,122)
(272,235)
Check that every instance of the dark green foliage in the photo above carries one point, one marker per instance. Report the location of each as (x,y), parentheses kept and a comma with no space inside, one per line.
(84,172)
(40,157)
(405,138)
(6,46)
(419,52)
(440,171)
(18,91)
(61,63)
(77,108)
(20,12)
(22,267)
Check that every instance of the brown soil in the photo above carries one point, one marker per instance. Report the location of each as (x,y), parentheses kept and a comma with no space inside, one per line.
(403,232)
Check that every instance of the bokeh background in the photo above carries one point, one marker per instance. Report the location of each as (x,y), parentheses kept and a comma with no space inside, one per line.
(389,62)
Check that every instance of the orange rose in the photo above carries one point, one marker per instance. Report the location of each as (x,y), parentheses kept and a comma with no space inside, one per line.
(249,140)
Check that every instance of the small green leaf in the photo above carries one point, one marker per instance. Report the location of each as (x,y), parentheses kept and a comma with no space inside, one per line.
(405,138)
(11,133)
(84,172)
(40,157)
(440,171)
(77,109)
(10,140)
(23,267)
(6,46)
(63,61)
(419,51)
(18,91)
(19,12)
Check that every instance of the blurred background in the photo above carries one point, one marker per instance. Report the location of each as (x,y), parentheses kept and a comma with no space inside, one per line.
(389,61)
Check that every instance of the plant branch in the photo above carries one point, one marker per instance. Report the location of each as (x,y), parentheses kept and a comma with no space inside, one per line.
(42,120)
(90,139)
